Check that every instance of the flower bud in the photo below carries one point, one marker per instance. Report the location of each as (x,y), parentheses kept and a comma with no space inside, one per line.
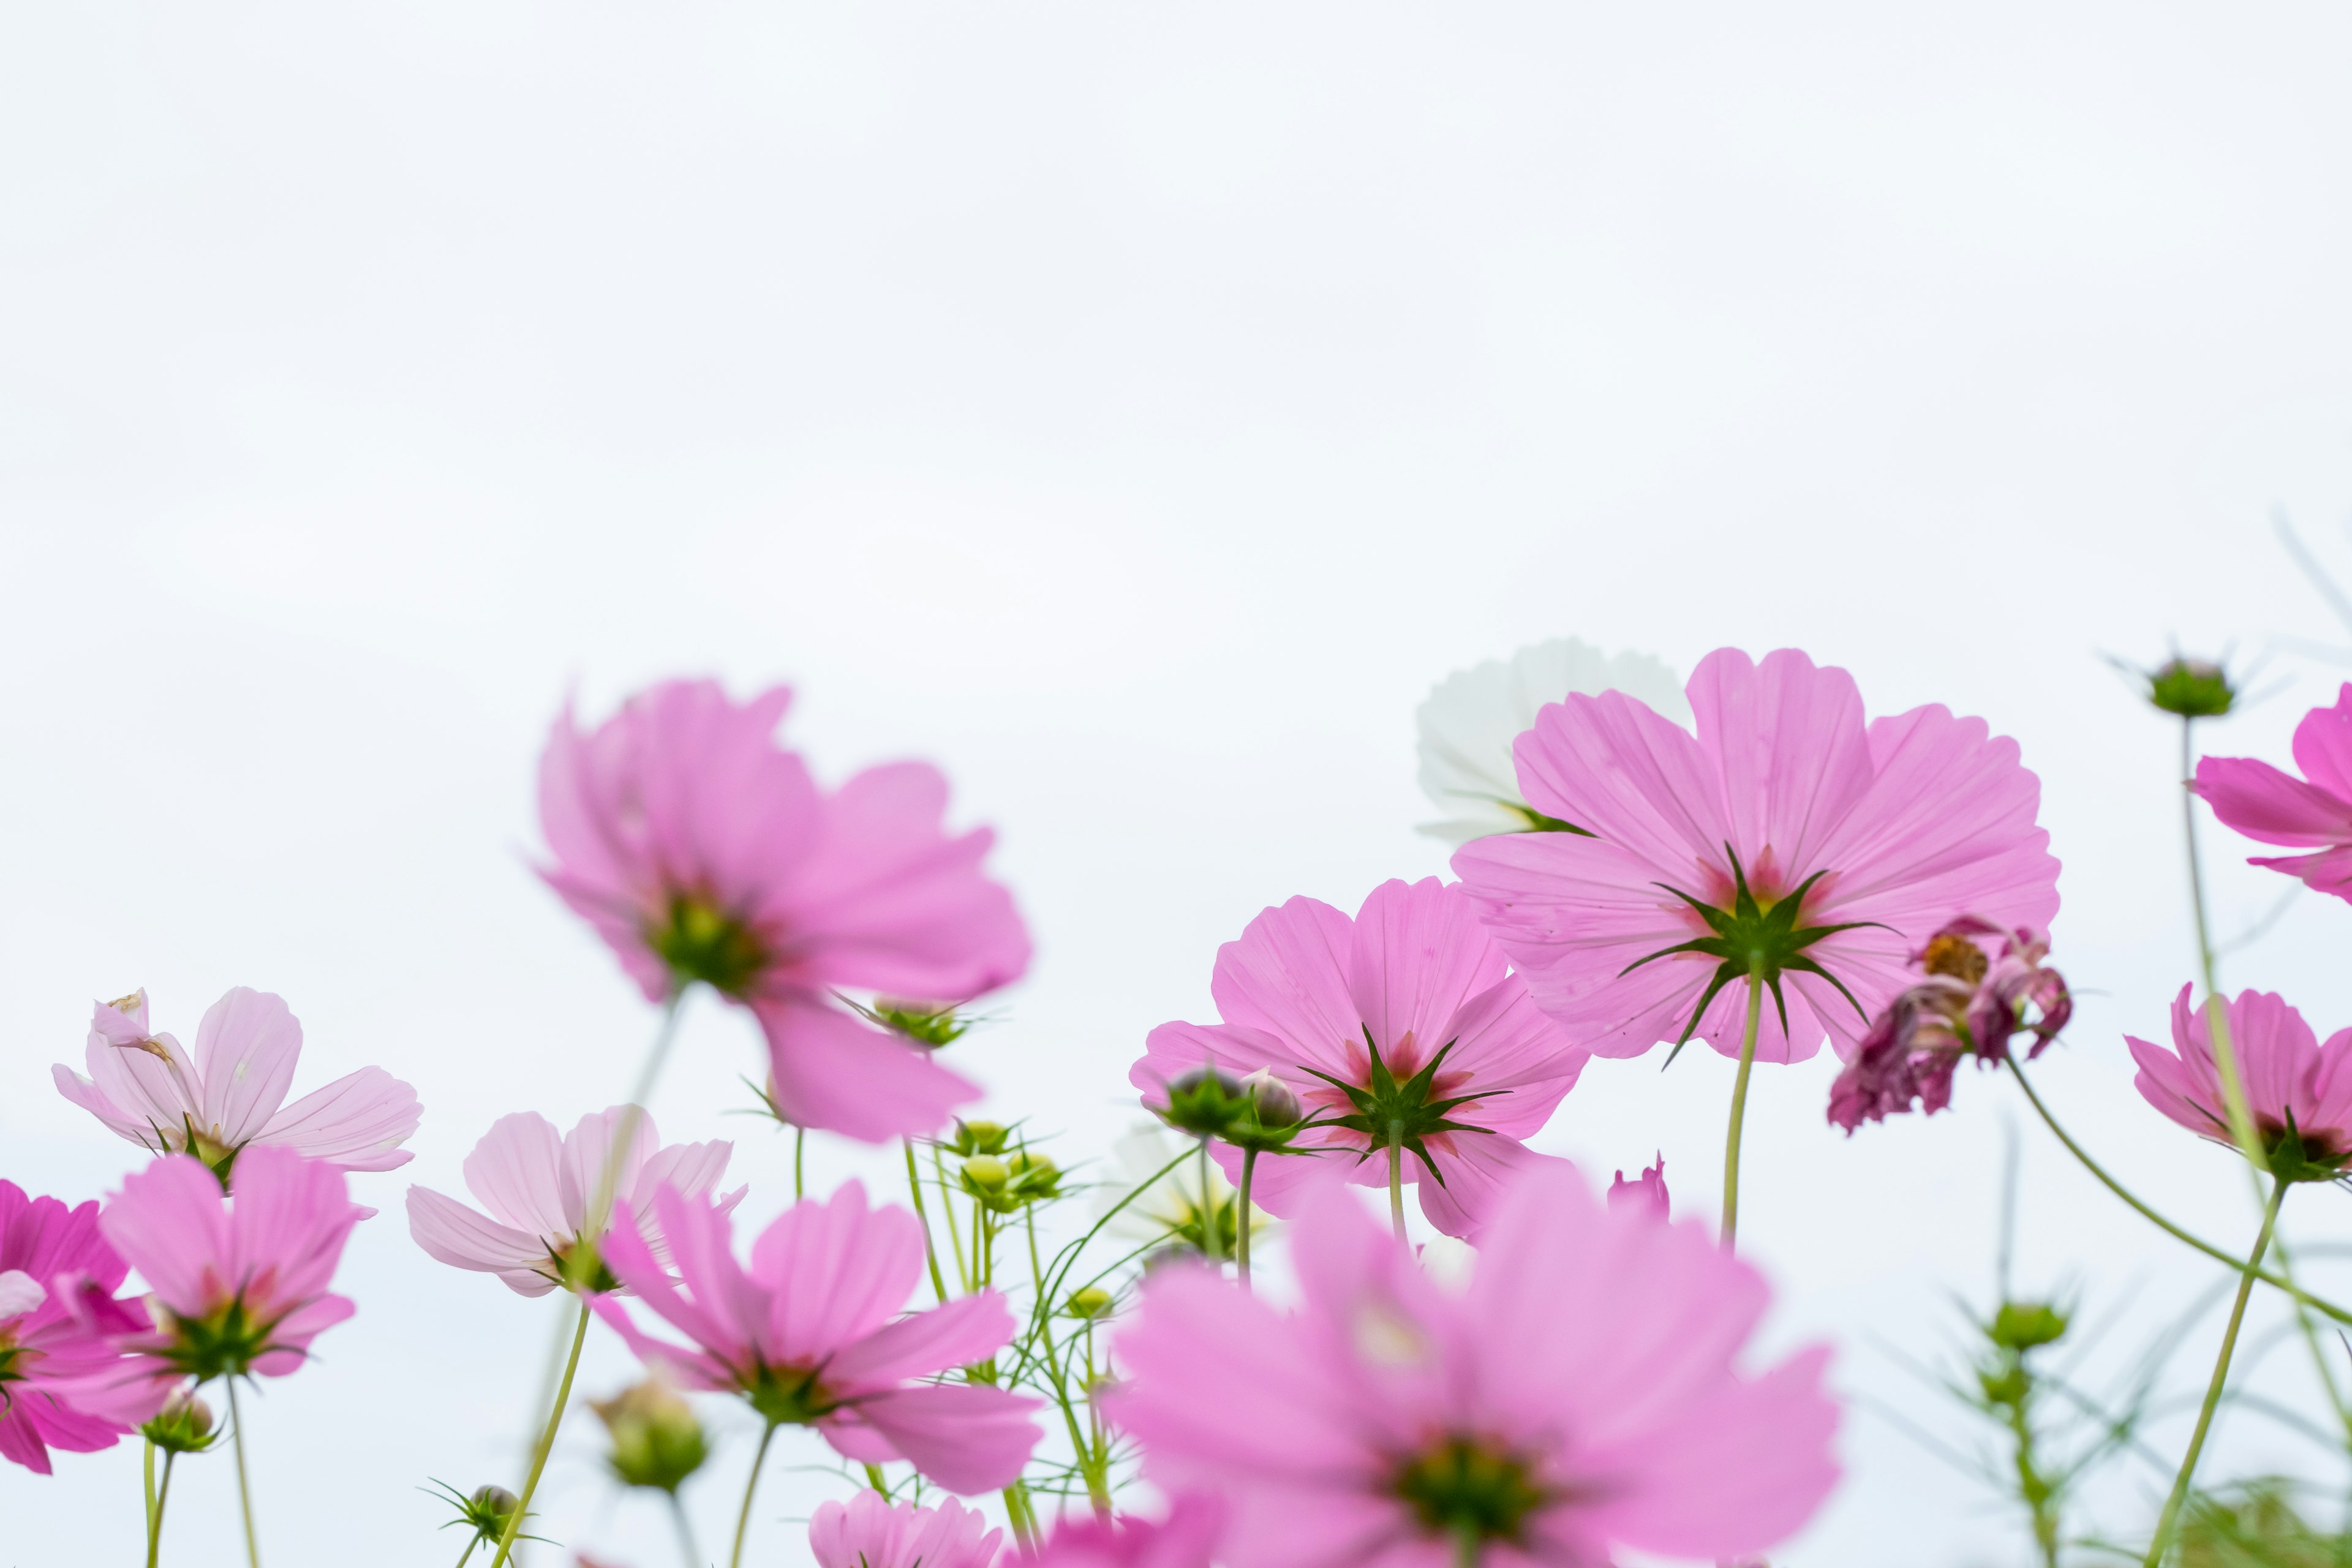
(1276,1108)
(1089,1304)
(656,1441)
(2192,688)
(2022,1325)
(1206,1103)
(977,1138)
(184,1425)
(927,1024)
(488,1509)
(984,1176)
(1034,1177)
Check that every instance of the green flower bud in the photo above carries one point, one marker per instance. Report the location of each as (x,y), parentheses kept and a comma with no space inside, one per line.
(2192,688)
(1207,1103)
(977,1138)
(1089,1304)
(984,1176)
(184,1425)
(1034,1177)
(656,1441)
(927,1025)
(2022,1325)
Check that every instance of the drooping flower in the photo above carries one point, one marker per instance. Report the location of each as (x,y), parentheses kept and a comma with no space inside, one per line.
(1645,1195)
(813,1333)
(58,1368)
(1786,843)
(1403,1032)
(2298,1091)
(1472,716)
(1981,987)
(870,1532)
(703,851)
(145,1089)
(540,1188)
(240,1279)
(1579,1397)
(2314,812)
(1187,1538)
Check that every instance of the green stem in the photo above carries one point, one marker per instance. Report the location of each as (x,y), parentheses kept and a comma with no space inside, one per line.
(244,1486)
(2225,1055)
(1740,1111)
(1466,1546)
(1241,1213)
(1396,1177)
(1097,1494)
(931,1252)
(877,1479)
(2031,1484)
(1213,1240)
(693,1554)
(2196,865)
(162,1496)
(947,1211)
(1018,1514)
(743,1519)
(2166,1522)
(147,1484)
(800,1147)
(546,1444)
(471,1542)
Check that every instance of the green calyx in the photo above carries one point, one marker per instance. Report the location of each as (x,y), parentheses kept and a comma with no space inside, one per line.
(1537,822)
(1401,1115)
(184,1425)
(1462,1487)
(929,1028)
(700,941)
(2191,688)
(2291,1157)
(579,1265)
(2026,1325)
(789,1396)
(1756,940)
(224,1342)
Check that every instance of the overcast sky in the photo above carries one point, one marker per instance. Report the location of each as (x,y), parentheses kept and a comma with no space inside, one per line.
(1135,411)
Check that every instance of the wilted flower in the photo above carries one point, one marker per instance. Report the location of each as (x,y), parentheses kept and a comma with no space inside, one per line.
(1646,1195)
(871,1532)
(656,1441)
(2314,812)
(63,1383)
(2298,1091)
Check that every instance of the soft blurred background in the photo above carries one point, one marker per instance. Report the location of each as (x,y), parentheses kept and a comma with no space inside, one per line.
(1136,411)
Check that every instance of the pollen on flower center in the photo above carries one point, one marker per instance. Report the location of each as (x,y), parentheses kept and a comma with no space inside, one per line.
(1462,1487)
(1955,955)
(700,941)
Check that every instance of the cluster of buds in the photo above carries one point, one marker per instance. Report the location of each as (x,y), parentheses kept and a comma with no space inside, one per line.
(1981,986)
(656,1441)
(1257,1114)
(1002,1180)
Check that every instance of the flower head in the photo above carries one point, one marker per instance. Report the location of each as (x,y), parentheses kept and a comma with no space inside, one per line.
(703,852)
(2189,688)
(2298,1091)
(811,1333)
(2314,812)
(1579,1397)
(145,1088)
(1187,1538)
(240,1279)
(871,1532)
(656,1441)
(1979,987)
(1472,717)
(1645,1195)
(1401,1031)
(1156,1195)
(539,1189)
(59,1369)
(1784,843)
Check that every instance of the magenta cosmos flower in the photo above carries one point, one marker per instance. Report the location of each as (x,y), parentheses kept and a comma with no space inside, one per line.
(870,1532)
(1787,840)
(813,1333)
(63,1384)
(145,1088)
(1400,1030)
(539,1186)
(1187,1538)
(2298,1091)
(1581,1396)
(240,1279)
(701,850)
(2314,812)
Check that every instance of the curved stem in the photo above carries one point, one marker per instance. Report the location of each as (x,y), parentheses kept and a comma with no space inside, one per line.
(2171,1517)
(931,1252)
(1739,1111)
(1396,1177)
(743,1519)
(693,1558)
(244,1486)
(1241,1213)
(546,1444)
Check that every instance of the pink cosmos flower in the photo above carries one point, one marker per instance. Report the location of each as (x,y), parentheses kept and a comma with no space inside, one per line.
(2276,807)
(1786,839)
(812,1335)
(2298,1089)
(240,1279)
(1403,1024)
(57,1314)
(701,850)
(144,1087)
(539,1187)
(1187,1538)
(1581,1396)
(869,1531)
(1645,1197)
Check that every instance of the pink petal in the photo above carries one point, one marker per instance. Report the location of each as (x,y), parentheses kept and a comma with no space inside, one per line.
(968,1438)
(1794,758)
(2322,745)
(2261,802)
(960,1332)
(832,1071)
(247,1047)
(836,1271)
(1287,975)
(359,1122)
(1416,953)
(1612,767)
(168,1223)
(449,1231)
(588,1149)
(159,1093)
(1479,1170)
(515,1170)
(2329,871)
(289,1221)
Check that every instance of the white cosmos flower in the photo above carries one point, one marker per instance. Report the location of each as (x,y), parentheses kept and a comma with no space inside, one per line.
(1169,1207)
(1472,717)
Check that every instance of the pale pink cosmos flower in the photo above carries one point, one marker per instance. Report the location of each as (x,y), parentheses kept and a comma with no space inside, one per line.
(1785,837)
(1187,1538)
(1579,1397)
(815,1333)
(58,1364)
(1645,1195)
(2314,812)
(2298,1089)
(703,850)
(1403,1022)
(233,1094)
(539,1187)
(240,1279)
(870,1532)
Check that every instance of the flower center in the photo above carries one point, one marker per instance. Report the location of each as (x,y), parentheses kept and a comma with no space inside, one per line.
(700,941)
(227,1340)
(1389,1112)
(1956,956)
(1463,1488)
(789,1396)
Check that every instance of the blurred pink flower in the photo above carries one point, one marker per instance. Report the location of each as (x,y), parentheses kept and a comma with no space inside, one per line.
(2298,1091)
(1187,1538)
(1785,836)
(2276,807)
(539,1187)
(1646,1195)
(869,1531)
(59,1366)
(1405,1017)
(239,1280)
(701,850)
(812,1335)
(1581,1396)
(144,1087)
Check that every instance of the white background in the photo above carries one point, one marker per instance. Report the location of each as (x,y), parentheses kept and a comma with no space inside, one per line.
(1136,412)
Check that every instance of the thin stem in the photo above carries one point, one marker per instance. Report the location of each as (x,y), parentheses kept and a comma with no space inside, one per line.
(162,1496)
(1396,1177)
(693,1554)
(2166,1521)
(1467,1545)
(2196,864)
(947,1211)
(546,1444)
(1213,1240)
(931,1252)
(147,1487)
(1241,1213)
(467,1555)
(877,1479)
(743,1519)
(800,1147)
(2037,1492)
(1096,1493)
(1740,1111)
(1017,1513)
(244,1486)
(2225,1054)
